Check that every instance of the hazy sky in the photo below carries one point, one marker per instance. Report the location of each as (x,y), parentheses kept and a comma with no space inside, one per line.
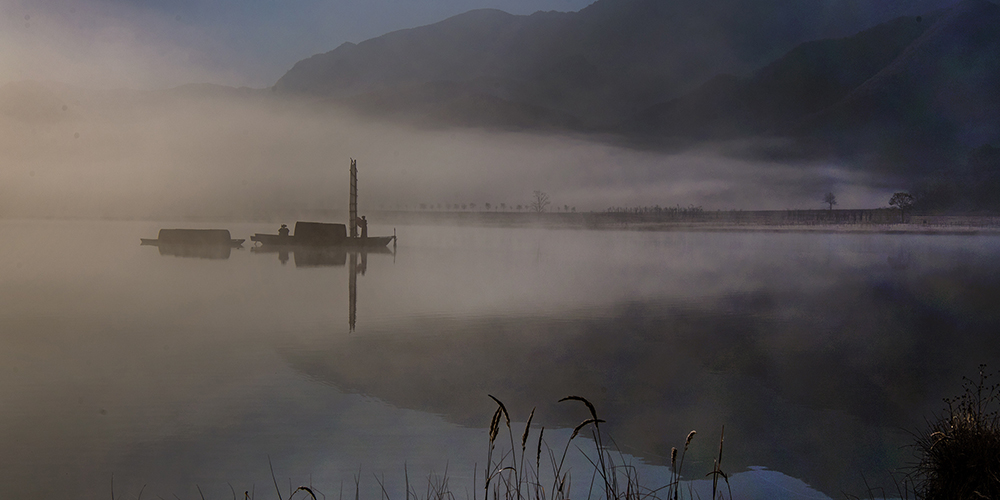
(142,154)
(164,43)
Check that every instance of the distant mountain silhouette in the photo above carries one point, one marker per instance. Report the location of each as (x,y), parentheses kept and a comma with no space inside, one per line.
(934,103)
(454,103)
(919,92)
(810,78)
(600,65)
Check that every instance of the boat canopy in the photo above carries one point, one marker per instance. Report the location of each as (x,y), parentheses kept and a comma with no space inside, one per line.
(320,231)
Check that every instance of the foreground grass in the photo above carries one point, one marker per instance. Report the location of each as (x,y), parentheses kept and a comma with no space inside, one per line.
(957,458)
(958,452)
(514,471)
(515,477)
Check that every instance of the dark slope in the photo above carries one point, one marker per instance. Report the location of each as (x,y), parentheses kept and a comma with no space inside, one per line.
(601,64)
(810,78)
(463,47)
(443,104)
(915,94)
(934,103)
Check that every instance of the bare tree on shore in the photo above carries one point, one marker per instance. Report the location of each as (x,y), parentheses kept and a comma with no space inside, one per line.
(830,199)
(540,202)
(902,201)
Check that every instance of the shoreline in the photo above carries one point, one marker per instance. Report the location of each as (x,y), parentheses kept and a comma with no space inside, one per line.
(878,221)
(965,225)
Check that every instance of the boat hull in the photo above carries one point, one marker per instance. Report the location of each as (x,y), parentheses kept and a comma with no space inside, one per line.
(292,241)
(233,243)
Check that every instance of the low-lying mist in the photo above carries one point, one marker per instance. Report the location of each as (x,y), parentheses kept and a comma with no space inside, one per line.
(206,151)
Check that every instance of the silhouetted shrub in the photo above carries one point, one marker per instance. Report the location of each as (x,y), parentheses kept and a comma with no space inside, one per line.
(959,455)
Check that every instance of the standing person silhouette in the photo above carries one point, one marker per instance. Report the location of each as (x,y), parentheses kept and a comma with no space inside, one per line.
(364,226)
(283,231)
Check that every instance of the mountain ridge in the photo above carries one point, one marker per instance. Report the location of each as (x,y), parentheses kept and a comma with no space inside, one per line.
(915,94)
(933,103)
(601,64)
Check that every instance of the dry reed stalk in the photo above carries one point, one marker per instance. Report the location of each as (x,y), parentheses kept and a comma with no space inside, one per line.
(524,444)
(687,442)
(538,462)
(597,439)
(717,468)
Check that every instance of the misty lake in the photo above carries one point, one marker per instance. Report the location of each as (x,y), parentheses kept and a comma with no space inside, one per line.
(165,374)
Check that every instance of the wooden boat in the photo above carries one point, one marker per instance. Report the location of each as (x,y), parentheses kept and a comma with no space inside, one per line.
(197,243)
(322,234)
(193,237)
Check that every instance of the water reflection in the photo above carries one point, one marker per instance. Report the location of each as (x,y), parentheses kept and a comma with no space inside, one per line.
(817,352)
(900,261)
(816,360)
(352,287)
(313,256)
(305,256)
(211,252)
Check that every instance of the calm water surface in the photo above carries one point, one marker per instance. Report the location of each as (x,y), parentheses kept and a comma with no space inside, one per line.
(817,352)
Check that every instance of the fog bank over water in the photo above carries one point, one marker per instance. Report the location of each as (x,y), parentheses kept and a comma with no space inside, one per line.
(208,151)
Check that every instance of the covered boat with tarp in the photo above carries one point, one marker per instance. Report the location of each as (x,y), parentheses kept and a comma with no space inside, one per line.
(199,243)
(324,234)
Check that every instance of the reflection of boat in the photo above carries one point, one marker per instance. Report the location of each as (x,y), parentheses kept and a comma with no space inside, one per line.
(199,243)
(329,256)
(316,256)
(307,256)
(320,234)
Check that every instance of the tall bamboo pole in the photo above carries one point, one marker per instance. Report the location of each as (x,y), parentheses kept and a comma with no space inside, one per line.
(353,222)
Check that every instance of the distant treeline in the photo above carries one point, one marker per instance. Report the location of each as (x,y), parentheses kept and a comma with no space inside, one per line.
(655,209)
(763,217)
(650,216)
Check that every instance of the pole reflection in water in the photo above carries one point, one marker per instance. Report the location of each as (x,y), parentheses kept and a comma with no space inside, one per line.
(352,285)
(357,268)
(307,257)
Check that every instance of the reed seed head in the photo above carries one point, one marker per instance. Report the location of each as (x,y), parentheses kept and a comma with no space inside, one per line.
(502,408)
(495,425)
(527,426)
(673,458)
(583,424)
(689,438)
(538,457)
(590,406)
